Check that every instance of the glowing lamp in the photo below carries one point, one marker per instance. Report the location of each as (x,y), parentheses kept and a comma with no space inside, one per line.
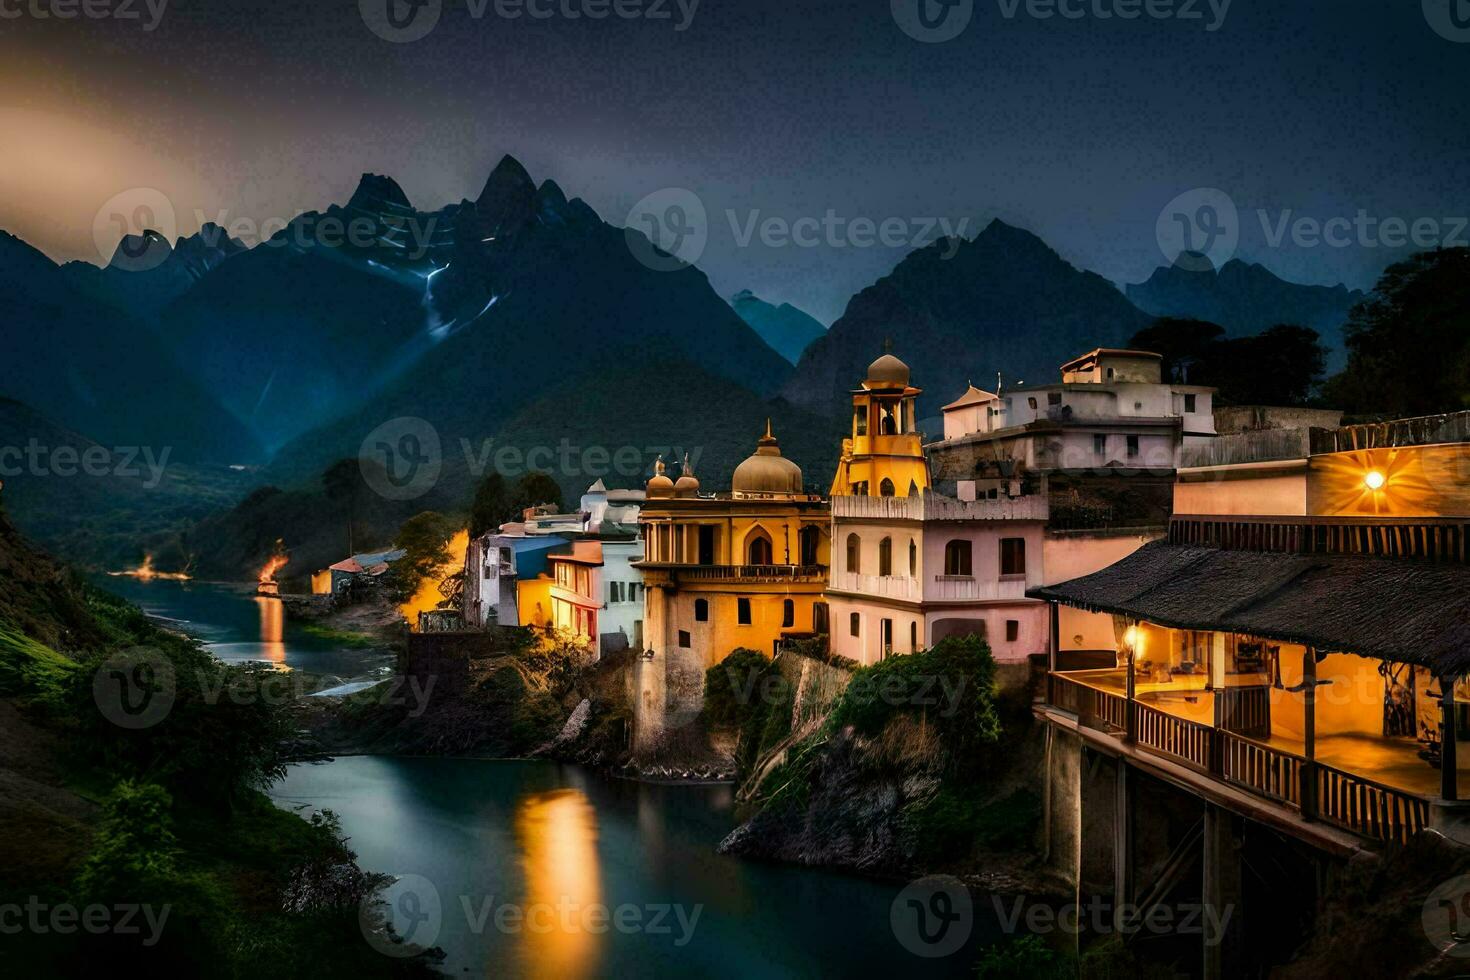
(1374,480)
(1130,638)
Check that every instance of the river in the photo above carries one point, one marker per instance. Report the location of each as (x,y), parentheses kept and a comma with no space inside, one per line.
(540,870)
(238,626)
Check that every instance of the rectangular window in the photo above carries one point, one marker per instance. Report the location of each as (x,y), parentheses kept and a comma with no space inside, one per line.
(788,613)
(1013,630)
(1031,402)
(887,633)
(914,637)
(860,421)
(1132,447)
(1100,445)
(684,639)
(854,624)
(1013,556)
(1053,397)
(1189,404)
(742,611)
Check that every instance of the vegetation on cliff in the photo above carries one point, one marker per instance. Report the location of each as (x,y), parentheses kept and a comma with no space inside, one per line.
(103,812)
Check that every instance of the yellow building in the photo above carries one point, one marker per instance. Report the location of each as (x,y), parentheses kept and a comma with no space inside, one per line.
(884,456)
(723,571)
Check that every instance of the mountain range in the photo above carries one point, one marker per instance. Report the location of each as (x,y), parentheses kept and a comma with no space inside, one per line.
(786,329)
(520,318)
(1246,298)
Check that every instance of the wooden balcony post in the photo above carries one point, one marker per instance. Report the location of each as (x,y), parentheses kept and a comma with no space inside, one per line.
(1054,647)
(1307,793)
(1130,723)
(1448,773)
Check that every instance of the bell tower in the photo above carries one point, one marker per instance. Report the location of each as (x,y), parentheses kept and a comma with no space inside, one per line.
(884,455)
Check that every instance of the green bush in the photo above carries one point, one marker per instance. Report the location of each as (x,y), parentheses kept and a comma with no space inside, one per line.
(1027,958)
(747,692)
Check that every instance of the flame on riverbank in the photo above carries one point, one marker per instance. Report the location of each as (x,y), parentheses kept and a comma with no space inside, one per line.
(146,572)
(268,573)
(428,596)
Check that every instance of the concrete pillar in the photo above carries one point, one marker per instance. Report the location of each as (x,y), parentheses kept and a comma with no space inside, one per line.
(1221,893)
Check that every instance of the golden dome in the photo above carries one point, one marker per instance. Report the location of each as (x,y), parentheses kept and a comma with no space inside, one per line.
(888,370)
(660,485)
(767,471)
(687,485)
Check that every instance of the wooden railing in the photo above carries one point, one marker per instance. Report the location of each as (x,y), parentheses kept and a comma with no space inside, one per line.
(1369,808)
(1188,741)
(1434,539)
(1261,769)
(1316,790)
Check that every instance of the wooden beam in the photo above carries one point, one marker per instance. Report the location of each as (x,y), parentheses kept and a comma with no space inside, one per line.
(1307,793)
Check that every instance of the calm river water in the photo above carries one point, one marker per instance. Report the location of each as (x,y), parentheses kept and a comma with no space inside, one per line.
(508,865)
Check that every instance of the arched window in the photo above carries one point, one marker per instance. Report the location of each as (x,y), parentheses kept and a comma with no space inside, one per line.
(885,556)
(913,558)
(854,624)
(886,422)
(885,489)
(809,539)
(854,557)
(701,610)
(758,548)
(957,557)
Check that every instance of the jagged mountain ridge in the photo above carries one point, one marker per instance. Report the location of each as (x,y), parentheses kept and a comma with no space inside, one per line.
(1003,301)
(1246,298)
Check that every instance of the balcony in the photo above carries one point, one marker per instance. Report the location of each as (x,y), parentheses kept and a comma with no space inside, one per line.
(738,574)
(1377,787)
(934,507)
(883,586)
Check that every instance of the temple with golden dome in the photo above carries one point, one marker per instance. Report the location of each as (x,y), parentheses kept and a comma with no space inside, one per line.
(884,455)
(741,568)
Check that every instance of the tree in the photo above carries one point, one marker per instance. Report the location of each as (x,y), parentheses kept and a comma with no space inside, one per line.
(1409,341)
(423,538)
(534,489)
(1184,345)
(491,506)
(1281,366)
(339,483)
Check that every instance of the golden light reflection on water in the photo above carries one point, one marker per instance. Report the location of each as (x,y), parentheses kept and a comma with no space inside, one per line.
(272,631)
(557,834)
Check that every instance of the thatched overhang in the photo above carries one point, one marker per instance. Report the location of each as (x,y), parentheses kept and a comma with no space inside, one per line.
(1414,612)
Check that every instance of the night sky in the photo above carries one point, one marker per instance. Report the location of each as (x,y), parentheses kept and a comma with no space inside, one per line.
(1078,129)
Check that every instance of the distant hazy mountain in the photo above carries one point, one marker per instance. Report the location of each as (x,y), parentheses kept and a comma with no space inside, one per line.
(530,291)
(786,329)
(1003,301)
(1245,299)
(95,368)
(147,273)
